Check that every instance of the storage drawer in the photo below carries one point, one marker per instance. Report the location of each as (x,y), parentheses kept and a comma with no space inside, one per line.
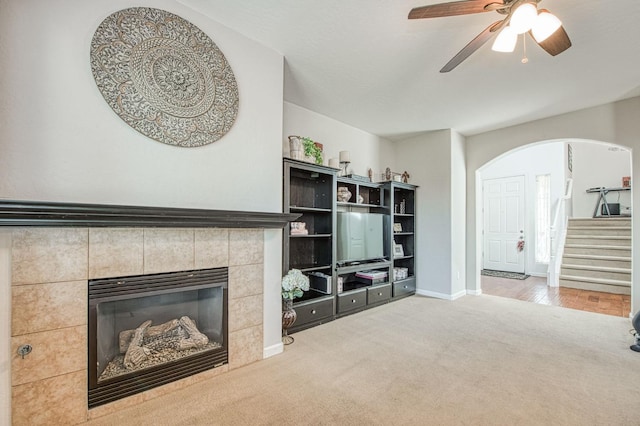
(352,300)
(312,312)
(404,287)
(381,293)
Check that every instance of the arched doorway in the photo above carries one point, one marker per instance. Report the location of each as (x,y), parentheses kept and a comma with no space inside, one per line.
(590,164)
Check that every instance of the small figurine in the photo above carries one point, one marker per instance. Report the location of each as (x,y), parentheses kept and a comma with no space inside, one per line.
(387,173)
(370,174)
(405,177)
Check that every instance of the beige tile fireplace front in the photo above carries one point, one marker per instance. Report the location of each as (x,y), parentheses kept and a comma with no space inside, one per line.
(50,269)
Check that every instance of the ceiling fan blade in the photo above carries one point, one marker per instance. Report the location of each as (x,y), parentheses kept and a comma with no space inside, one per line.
(473,45)
(464,7)
(557,42)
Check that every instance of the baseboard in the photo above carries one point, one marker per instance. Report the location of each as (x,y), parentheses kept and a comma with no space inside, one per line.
(474,292)
(272,350)
(441,295)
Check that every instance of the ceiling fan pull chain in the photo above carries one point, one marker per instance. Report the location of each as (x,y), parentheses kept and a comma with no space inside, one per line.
(524,49)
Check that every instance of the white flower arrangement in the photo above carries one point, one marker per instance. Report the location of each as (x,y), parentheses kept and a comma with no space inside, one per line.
(294,284)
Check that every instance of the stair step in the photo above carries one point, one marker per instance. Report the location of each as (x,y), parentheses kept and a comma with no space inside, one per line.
(600,222)
(595,284)
(598,260)
(602,250)
(619,274)
(599,240)
(598,246)
(599,230)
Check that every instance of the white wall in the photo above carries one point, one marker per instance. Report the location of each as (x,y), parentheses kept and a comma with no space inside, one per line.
(615,123)
(596,165)
(458,207)
(60,141)
(428,158)
(540,159)
(367,150)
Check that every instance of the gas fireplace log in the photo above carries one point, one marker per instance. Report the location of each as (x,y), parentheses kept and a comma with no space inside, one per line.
(136,353)
(145,341)
(156,330)
(195,339)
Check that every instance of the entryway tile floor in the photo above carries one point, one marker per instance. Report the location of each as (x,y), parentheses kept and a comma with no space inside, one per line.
(535,289)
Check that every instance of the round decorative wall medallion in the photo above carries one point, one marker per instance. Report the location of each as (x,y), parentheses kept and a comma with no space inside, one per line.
(164,77)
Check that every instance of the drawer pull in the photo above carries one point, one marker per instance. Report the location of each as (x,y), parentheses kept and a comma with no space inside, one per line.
(405,286)
(353,300)
(313,312)
(379,293)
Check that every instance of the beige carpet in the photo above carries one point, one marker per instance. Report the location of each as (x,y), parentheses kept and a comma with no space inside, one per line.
(480,360)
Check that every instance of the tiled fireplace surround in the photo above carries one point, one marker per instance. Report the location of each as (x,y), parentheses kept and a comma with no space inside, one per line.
(50,269)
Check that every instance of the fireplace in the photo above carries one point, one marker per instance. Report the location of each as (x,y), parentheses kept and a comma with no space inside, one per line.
(148,330)
(53,249)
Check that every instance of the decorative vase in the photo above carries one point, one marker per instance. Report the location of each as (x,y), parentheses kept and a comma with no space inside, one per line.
(344,195)
(295,148)
(288,318)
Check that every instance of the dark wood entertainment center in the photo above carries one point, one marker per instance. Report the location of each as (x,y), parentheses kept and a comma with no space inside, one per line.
(312,191)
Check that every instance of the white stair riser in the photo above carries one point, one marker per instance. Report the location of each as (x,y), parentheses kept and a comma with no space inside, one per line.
(621,276)
(595,287)
(606,263)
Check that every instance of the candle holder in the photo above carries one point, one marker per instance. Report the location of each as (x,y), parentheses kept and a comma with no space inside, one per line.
(345,160)
(344,165)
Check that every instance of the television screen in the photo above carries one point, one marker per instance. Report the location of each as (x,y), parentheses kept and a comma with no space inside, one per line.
(360,236)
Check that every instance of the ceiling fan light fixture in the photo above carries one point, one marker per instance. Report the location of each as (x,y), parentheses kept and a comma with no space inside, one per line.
(523,18)
(546,24)
(505,41)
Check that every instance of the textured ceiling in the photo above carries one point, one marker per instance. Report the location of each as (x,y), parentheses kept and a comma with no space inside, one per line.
(362,62)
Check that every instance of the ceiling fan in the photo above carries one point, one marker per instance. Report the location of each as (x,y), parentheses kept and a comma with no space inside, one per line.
(522,16)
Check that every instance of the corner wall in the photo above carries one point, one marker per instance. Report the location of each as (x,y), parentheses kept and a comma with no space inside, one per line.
(435,161)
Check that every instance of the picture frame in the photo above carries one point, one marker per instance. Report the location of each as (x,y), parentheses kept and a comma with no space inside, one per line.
(397,227)
(398,250)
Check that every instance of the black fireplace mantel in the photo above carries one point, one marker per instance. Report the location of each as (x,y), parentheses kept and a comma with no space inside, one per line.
(56,214)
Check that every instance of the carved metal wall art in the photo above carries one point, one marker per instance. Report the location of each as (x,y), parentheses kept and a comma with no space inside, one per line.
(164,77)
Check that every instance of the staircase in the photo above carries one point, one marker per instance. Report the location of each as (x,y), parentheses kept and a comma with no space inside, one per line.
(597,255)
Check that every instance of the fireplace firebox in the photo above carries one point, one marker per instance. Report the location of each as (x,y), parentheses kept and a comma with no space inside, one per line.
(149,330)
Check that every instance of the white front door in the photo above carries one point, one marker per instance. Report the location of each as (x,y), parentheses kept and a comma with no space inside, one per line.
(503,224)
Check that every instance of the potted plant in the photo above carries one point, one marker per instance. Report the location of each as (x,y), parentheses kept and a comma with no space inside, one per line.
(312,150)
(294,284)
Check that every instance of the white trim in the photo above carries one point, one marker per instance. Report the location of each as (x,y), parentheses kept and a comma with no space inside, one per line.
(538,274)
(272,350)
(442,295)
(474,292)
(5,326)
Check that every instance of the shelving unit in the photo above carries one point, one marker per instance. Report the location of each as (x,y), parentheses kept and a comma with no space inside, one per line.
(401,199)
(311,190)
